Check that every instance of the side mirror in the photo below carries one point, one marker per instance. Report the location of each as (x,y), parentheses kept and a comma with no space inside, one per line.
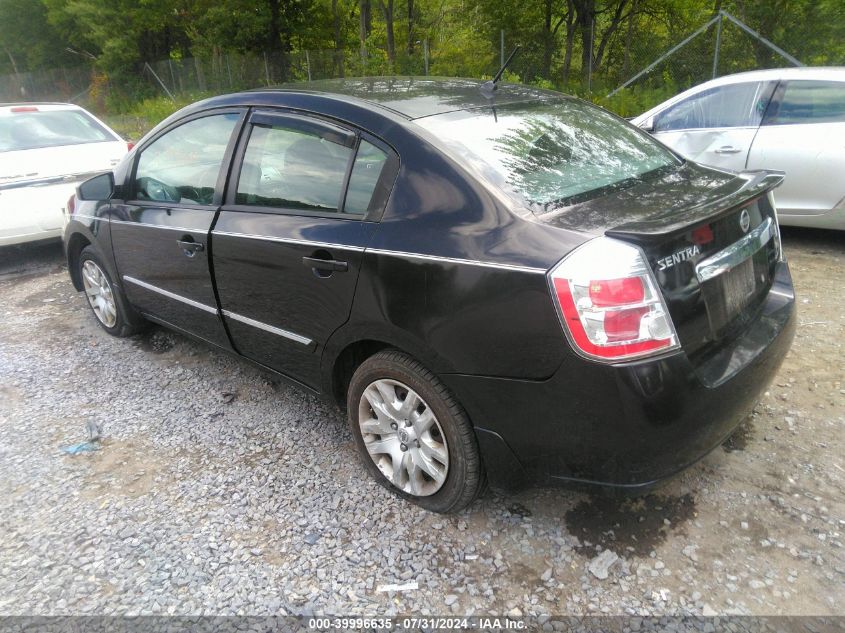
(648,124)
(97,188)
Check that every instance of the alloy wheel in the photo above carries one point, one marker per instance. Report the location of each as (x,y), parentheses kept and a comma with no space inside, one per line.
(99,293)
(403,437)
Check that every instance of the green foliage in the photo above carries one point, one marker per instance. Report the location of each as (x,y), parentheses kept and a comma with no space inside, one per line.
(133,120)
(27,40)
(583,47)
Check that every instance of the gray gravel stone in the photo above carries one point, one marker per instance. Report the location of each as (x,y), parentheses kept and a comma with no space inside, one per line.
(601,564)
(261,505)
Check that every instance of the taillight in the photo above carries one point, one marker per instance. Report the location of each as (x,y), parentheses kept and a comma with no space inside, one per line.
(21,109)
(129,146)
(609,302)
(776,226)
(71,205)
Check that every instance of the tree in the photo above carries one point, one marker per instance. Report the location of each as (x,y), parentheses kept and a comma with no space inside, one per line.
(27,40)
(387,12)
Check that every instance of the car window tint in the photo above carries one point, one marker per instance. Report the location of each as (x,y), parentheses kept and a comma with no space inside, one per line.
(49,128)
(292,169)
(369,163)
(736,105)
(182,166)
(810,102)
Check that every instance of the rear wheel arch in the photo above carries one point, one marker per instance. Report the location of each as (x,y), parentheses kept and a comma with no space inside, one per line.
(347,361)
(343,358)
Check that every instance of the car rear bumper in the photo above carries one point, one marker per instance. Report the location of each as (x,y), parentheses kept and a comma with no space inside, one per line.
(626,425)
(32,213)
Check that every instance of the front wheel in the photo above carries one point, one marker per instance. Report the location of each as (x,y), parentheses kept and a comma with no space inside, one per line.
(412,434)
(112,312)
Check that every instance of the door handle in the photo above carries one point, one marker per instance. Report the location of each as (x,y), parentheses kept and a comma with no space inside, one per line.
(728,149)
(325,264)
(190,247)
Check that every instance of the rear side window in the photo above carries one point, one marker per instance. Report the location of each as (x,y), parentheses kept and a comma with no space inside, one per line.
(49,128)
(300,169)
(369,165)
(182,166)
(292,169)
(735,105)
(809,102)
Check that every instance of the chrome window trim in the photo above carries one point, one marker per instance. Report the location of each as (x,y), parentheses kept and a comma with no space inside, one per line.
(304,340)
(358,249)
(160,226)
(736,253)
(456,260)
(171,295)
(291,240)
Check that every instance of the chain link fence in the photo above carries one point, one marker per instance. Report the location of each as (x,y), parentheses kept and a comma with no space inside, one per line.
(627,74)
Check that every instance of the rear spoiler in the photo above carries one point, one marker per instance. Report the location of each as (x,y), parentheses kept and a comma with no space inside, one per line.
(753,184)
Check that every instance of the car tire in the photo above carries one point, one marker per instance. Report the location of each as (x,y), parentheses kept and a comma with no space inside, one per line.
(390,388)
(106,301)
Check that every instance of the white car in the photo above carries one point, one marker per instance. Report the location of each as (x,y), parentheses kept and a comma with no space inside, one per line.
(46,150)
(790,119)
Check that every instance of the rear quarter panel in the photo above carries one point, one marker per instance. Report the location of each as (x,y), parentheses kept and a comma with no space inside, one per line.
(456,278)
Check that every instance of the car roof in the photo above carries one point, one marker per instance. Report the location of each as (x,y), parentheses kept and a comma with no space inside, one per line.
(412,97)
(834,73)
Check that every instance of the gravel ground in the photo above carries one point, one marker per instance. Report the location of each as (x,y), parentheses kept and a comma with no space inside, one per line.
(215,490)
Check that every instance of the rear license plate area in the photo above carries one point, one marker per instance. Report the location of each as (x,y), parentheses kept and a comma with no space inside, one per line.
(738,286)
(730,294)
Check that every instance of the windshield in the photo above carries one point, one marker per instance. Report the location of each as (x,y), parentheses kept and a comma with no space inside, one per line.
(49,128)
(549,152)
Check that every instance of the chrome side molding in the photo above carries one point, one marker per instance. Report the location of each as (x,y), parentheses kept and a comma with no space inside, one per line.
(304,340)
(171,295)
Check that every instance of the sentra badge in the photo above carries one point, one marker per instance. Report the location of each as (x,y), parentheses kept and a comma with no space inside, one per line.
(681,256)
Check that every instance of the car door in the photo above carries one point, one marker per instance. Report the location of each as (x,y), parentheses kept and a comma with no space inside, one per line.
(803,134)
(716,126)
(160,233)
(301,207)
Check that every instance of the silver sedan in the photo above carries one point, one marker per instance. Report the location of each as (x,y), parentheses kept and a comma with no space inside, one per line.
(790,119)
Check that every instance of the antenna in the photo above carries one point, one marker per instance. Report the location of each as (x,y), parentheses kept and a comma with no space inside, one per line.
(489,87)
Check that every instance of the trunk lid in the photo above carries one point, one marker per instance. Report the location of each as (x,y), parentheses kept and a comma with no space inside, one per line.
(51,165)
(710,237)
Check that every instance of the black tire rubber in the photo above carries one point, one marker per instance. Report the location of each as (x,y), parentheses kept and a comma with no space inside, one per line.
(128,321)
(466,478)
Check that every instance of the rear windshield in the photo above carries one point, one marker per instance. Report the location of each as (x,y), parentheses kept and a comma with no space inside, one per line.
(49,128)
(550,152)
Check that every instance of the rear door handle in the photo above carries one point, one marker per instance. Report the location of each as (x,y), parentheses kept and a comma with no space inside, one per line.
(190,248)
(325,264)
(728,149)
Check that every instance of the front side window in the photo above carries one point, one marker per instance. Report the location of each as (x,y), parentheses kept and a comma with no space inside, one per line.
(548,152)
(810,102)
(735,105)
(183,165)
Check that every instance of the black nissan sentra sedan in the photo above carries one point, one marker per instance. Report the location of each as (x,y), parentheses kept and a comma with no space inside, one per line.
(506,286)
